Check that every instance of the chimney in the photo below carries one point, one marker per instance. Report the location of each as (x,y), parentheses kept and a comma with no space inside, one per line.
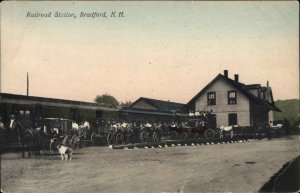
(236,78)
(267,83)
(226,73)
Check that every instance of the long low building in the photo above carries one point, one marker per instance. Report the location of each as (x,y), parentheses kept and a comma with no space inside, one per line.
(31,107)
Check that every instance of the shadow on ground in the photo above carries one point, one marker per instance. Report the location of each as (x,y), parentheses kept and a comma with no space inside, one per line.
(287,179)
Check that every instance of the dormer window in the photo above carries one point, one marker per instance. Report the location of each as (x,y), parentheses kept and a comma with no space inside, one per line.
(231,97)
(211,98)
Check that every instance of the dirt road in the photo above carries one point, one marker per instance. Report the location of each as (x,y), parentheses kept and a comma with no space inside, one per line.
(238,167)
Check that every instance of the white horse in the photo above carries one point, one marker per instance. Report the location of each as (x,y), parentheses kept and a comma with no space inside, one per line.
(227,128)
(191,114)
(277,126)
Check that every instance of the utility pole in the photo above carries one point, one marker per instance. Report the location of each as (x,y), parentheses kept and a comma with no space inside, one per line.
(168,104)
(27,84)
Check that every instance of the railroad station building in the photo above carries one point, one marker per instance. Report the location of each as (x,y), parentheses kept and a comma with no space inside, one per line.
(233,102)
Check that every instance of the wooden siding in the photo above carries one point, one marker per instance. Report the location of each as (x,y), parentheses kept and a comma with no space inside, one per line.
(222,108)
(259,115)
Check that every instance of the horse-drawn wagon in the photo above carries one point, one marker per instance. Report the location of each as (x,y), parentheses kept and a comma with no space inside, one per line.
(197,126)
(151,132)
(61,131)
(133,132)
(43,134)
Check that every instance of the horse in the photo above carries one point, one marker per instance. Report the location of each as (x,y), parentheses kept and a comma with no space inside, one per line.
(276,129)
(21,135)
(150,132)
(79,132)
(179,129)
(119,133)
(83,129)
(200,125)
(230,129)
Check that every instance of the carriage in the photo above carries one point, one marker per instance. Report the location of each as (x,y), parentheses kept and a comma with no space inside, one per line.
(36,136)
(197,126)
(98,133)
(119,133)
(272,129)
(151,132)
(133,132)
(108,132)
(61,131)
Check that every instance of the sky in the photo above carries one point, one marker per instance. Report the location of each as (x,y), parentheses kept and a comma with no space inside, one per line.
(162,50)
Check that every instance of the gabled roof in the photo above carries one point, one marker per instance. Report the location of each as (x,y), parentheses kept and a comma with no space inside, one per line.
(160,105)
(239,86)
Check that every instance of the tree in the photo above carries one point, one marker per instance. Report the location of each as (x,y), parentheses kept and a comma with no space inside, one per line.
(126,104)
(106,99)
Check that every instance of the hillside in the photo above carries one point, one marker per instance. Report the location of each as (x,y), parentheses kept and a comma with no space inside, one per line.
(290,112)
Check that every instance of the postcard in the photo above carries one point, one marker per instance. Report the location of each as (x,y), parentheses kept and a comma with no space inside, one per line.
(149,96)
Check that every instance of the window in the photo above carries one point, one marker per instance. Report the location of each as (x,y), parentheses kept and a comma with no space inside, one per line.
(231,97)
(211,98)
(232,119)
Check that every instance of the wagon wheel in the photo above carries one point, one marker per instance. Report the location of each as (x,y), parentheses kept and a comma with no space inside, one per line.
(128,136)
(144,137)
(110,139)
(184,135)
(158,136)
(119,139)
(93,138)
(209,133)
(155,137)
(74,143)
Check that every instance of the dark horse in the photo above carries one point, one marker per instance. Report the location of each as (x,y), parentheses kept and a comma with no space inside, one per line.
(21,135)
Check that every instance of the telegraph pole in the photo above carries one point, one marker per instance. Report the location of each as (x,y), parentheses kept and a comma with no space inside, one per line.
(27,84)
